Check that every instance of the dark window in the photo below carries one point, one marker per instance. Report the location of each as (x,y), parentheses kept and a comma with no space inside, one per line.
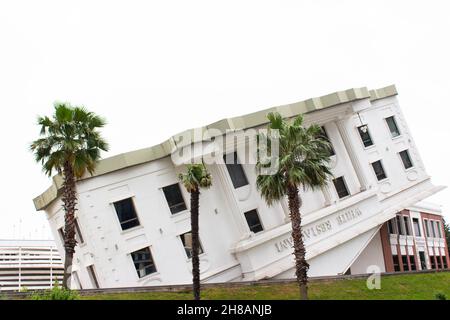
(78,234)
(392,124)
(174,198)
(396,263)
(126,213)
(433,262)
(405,263)
(416,227)
(143,262)
(444,259)
(427,228)
(327,138)
(438,227)
(186,239)
(341,188)
(423,263)
(390,227)
(407,163)
(253,221)
(433,232)
(379,170)
(235,170)
(365,135)
(92,276)
(407,227)
(438,260)
(399,225)
(412,262)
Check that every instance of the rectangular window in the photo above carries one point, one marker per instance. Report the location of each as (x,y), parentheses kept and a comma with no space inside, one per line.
(432,232)
(393,128)
(92,276)
(438,260)
(327,138)
(143,262)
(186,239)
(444,259)
(433,262)
(78,234)
(365,135)
(438,227)
(407,163)
(379,170)
(126,213)
(341,187)
(407,226)
(396,262)
(423,262)
(174,198)
(77,280)
(253,221)
(235,170)
(416,227)
(390,227)
(412,262)
(399,225)
(427,228)
(405,263)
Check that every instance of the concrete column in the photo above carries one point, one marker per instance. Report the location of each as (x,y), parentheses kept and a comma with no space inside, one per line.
(327,195)
(236,213)
(346,138)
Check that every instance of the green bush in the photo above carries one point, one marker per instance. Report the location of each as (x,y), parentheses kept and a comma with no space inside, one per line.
(57,293)
(440,296)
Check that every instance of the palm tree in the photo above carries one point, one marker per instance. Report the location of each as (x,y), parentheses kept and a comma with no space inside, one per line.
(195,178)
(304,154)
(70,144)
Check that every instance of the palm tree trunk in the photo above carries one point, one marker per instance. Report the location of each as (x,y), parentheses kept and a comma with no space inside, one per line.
(301,265)
(69,199)
(195,195)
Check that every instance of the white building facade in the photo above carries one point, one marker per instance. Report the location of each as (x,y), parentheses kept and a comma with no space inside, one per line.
(31,264)
(133,222)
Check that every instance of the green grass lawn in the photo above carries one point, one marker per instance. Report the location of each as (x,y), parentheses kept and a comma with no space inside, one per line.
(413,286)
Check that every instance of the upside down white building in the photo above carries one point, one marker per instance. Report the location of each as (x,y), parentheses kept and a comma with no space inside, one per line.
(133,219)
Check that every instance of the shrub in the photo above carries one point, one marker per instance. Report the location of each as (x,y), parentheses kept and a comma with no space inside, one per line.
(440,296)
(57,293)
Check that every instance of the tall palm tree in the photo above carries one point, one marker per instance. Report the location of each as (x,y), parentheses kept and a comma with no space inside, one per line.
(304,154)
(70,144)
(195,178)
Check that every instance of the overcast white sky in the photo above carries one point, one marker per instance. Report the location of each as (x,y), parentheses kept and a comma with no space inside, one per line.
(155,69)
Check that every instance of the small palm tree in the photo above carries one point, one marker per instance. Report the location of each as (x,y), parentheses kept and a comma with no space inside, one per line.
(195,178)
(303,160)
(70,144)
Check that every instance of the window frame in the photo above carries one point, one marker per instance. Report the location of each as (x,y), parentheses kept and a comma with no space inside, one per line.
(416,223)
(78,232)
(189,257)
(359,130)
(345,185)
(259,219)
(395,124)
(406,151)
(382,169)
(234,182)
(186,208)
(152,259)
(131,198)
(93,276)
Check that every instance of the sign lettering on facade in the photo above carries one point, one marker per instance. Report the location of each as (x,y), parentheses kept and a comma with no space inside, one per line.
(320,228)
